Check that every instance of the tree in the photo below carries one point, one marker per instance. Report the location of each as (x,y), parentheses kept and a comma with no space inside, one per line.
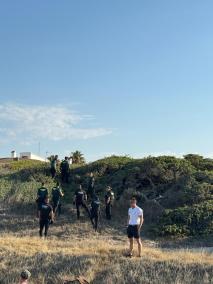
(77,158)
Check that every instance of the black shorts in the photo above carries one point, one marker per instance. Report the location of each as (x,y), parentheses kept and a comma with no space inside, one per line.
(133,232)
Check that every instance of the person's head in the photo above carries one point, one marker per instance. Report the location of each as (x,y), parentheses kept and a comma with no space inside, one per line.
(66,158)
(57,184)
(43,184)
(25,276)
(133,202)
(91,174)
(56,157)
(80,186)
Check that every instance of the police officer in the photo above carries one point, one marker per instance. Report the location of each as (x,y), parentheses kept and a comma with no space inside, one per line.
(56,198)
(91,186)
(109,198)
(95,211)
(53,166)
(41,195)
(80,201)
(45,217)
(65,168)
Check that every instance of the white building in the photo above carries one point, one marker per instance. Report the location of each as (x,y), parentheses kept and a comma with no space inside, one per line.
(13,154)
(31,156)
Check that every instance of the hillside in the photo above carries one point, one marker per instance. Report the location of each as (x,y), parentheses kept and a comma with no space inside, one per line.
(176,195)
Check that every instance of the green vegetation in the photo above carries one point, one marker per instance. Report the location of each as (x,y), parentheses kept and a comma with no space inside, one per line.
(176,194)
(77,158)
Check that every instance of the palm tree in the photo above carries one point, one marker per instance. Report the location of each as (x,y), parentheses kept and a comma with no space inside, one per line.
(77,158)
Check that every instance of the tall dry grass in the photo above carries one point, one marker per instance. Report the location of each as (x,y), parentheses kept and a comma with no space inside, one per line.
(74,249)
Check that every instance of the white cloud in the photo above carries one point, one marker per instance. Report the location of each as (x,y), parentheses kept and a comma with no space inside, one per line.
(41,122)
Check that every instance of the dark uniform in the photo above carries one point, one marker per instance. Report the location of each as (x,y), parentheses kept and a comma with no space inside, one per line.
(53,167)
(45,218)
(56,199)
(91,187)
(95,212)
(109,198)
(65,168)
(80,201)
(42,194)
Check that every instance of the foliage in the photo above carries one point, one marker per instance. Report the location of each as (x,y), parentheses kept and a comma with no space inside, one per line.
(165,185)
(188,220)
(77,158)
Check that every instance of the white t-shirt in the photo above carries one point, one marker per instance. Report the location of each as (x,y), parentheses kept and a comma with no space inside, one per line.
(134,214)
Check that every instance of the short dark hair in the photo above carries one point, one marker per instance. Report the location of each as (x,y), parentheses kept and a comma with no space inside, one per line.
(57,183)
(133,199)
(43,183)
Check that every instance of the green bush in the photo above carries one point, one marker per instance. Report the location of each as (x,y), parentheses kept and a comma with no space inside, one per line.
(188,220)
(178,191)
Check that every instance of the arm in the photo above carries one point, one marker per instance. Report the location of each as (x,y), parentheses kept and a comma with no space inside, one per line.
(141,222)
(108,200)
(51,215)
(85,196)
(74,199)
(128,220)
(61,193)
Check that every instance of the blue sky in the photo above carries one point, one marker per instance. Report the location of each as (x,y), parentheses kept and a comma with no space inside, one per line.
(106,77)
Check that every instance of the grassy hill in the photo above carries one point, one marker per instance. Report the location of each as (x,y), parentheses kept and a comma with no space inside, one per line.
(176,195)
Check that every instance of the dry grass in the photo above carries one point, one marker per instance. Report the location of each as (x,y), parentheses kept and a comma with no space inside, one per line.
(32,245)
(73,249)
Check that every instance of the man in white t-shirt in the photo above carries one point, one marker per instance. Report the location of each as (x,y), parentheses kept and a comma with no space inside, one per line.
(134,223)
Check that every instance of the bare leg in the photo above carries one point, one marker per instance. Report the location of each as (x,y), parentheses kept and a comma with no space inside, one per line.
(139,247)
(131,246)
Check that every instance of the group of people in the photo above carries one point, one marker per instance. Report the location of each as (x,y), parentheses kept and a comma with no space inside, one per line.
(64,168)
(47,211)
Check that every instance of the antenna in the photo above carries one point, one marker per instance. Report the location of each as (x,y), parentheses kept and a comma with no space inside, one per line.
(39,148)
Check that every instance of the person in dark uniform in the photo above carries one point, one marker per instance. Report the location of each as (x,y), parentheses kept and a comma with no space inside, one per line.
(91,186)
(53,166)
(95,211)
(45,217)
(41,195)
(109,198)
(56,199)
(80,201)
(65,170)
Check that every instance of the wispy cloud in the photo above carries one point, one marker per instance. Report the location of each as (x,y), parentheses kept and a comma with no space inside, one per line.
(41,122)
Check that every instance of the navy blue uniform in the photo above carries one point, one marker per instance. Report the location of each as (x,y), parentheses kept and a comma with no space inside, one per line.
(80,201)
(56,199)
(95,213)
(45,211)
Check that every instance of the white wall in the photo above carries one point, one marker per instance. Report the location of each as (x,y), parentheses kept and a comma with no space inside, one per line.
(31,156)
